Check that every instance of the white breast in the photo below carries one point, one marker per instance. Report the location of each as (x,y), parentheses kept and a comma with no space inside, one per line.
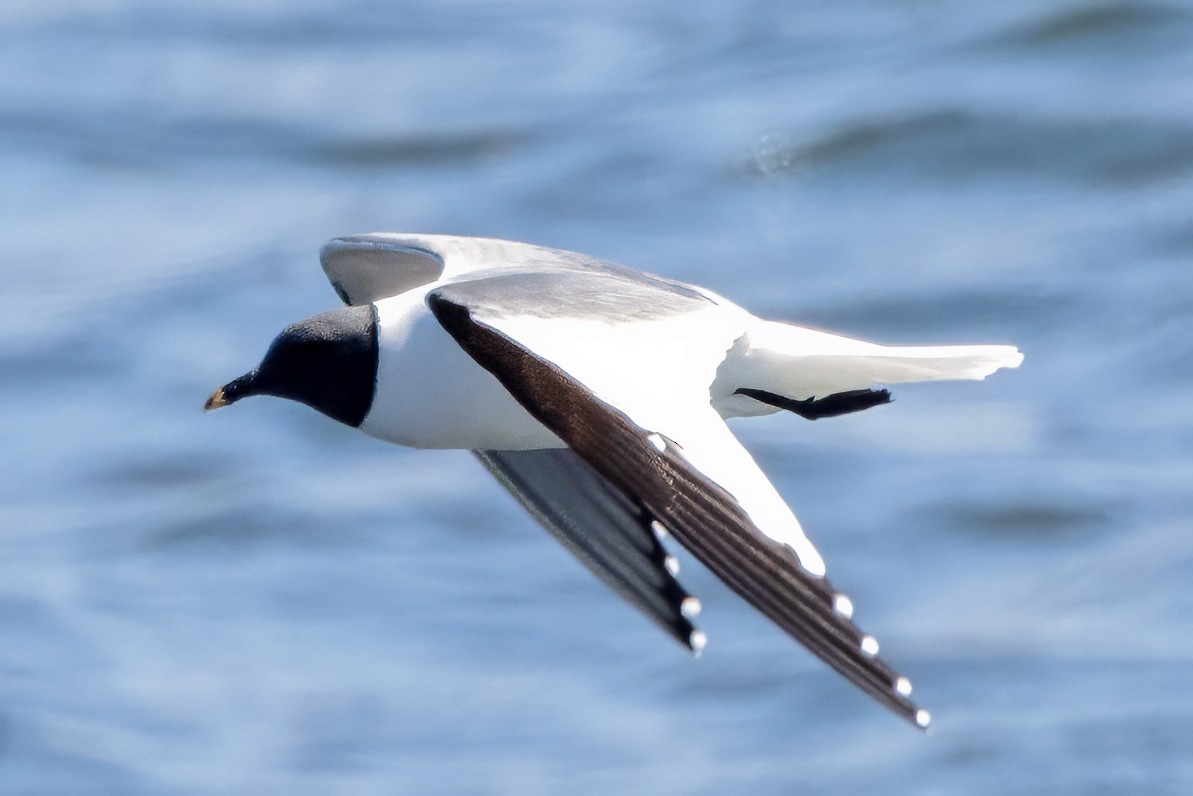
(431,394)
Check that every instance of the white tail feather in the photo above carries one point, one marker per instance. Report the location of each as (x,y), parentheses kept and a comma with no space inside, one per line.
(803,363)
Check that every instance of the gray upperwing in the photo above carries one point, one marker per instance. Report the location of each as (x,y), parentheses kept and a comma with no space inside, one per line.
(611,535)
(366,268)
(548,292)
(370,267)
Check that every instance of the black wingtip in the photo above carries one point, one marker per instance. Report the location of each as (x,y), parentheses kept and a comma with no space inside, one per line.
(839,403)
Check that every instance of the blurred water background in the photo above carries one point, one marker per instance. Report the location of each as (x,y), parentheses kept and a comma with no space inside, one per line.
(261,601)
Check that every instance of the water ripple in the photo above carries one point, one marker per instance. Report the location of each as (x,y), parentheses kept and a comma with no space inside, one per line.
(127,140)
(955,145)
(1096,21)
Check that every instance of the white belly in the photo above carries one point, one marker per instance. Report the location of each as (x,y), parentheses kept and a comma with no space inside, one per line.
(431,394)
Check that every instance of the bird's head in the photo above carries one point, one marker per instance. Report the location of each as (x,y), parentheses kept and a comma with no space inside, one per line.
(328,362)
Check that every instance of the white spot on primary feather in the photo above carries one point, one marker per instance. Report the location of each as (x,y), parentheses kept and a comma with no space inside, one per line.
(903,686)
(672,565)
(697,641)
(870,645)
(657,442)
(690,608)
(660,531)
(923,718)
(843,606)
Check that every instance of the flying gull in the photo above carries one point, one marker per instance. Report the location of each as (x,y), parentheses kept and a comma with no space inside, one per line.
(597,395)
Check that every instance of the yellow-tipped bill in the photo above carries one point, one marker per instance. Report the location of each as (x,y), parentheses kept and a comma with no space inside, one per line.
(216,400)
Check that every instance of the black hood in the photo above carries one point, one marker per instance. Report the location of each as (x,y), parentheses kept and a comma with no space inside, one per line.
(328,362)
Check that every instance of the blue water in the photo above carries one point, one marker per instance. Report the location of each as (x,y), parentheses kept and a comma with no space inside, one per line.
(261,601)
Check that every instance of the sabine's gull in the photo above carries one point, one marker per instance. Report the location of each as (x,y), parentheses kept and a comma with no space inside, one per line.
(597,395)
